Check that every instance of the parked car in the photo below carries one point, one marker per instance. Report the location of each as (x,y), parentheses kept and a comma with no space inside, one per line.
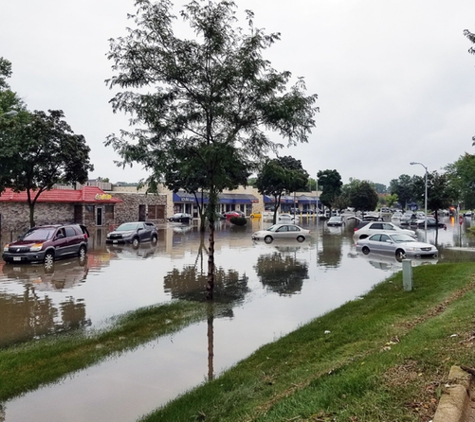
(335,222)
(180,217)
(282,231)
(397,215)
(373,227)
(431,222)
(400,245)
(371,216)
(234,213)
(407,218)
(256,215)
(47,243)
(287,218)
(134,233)
(468,214)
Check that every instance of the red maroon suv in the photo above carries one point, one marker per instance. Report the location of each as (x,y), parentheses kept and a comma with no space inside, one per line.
(47,243)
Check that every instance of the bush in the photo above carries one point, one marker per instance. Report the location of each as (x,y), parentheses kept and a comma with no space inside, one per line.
(239,221)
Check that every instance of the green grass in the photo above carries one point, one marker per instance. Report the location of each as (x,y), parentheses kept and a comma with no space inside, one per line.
(385,359)
(27,366)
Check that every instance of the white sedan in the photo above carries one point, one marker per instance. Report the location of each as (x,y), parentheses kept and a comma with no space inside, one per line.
(379,227)
(282,231)
(401,245)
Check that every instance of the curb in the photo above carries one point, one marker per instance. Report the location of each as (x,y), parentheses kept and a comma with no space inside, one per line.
(454,404)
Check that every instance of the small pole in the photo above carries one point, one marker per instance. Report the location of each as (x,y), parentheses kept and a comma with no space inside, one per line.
(407,275)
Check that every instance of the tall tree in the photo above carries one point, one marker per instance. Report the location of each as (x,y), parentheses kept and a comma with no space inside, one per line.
(280,175)
(402,187)
(203,97)
(462,179)
(440,192)
(362,195)
(330,182)
(46,152)
(12,114)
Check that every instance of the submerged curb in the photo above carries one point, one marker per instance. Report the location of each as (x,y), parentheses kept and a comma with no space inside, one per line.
(454,405)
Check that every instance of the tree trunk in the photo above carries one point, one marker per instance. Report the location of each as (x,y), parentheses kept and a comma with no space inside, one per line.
(213,200)
(31,205)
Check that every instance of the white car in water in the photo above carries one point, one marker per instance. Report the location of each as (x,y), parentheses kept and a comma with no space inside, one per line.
(399,245)
(286,231)
(373,227)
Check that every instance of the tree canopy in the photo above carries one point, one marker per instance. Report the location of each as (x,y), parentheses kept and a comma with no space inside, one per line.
(208,101)
(280,175)
(330,182)
(362,195)
(45,151)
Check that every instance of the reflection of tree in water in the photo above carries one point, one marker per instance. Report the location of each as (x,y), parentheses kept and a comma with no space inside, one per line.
(28,316)
(282,274)
(190,283)
(330,253)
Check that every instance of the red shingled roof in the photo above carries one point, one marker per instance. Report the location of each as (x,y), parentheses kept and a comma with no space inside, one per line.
(88,194)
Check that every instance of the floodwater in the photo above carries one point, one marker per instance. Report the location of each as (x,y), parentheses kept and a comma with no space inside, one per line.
(269,290)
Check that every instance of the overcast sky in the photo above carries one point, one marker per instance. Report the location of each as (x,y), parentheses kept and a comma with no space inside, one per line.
(394,78)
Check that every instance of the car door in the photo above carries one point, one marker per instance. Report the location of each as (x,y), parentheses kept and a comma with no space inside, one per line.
(282,232)
(386,244)
(142,232)
(374,243)
(387,226)
(60,243)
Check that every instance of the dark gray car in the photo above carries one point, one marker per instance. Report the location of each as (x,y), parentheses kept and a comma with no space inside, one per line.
(134,233)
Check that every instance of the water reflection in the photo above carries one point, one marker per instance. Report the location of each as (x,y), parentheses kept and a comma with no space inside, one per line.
(281,272)
(390,263)
(329,254)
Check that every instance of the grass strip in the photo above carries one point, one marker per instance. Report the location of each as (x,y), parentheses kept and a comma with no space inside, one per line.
(27,366)
(382,357)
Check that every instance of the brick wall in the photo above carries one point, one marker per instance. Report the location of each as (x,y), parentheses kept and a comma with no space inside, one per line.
(134,203)
(15,216)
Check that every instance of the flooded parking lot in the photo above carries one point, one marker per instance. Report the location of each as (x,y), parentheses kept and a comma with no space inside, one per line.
(269,290)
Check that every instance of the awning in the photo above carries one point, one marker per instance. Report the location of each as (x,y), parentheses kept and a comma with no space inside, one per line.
(304,199)
(188,197)
(237,198)
(283,199)
(224,198)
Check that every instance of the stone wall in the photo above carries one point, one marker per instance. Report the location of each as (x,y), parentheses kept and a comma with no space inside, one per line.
(15,216)
(137,207)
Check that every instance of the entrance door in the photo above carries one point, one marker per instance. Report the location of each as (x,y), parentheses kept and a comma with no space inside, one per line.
(98,216)
(142,214)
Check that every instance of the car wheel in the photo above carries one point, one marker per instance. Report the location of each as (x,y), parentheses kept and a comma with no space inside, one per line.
(135,242)
(252,216)
(365,250)
(82,253)
(268,239)
(49,260)
(400,255)
(154,239)
(300,239)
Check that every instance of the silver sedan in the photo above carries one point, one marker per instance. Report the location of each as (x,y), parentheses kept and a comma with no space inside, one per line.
(282,231)
(400,245)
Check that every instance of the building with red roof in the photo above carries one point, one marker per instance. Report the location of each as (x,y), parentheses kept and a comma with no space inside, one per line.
(89,205)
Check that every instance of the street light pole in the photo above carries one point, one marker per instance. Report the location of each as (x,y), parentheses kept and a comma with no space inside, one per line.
(425,197)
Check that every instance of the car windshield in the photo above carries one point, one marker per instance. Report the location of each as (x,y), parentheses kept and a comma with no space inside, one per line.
(39,234)
(126,227)
(402,238)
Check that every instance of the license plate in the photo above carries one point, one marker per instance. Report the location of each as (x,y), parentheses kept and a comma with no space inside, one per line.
(17,258)
(115,241)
